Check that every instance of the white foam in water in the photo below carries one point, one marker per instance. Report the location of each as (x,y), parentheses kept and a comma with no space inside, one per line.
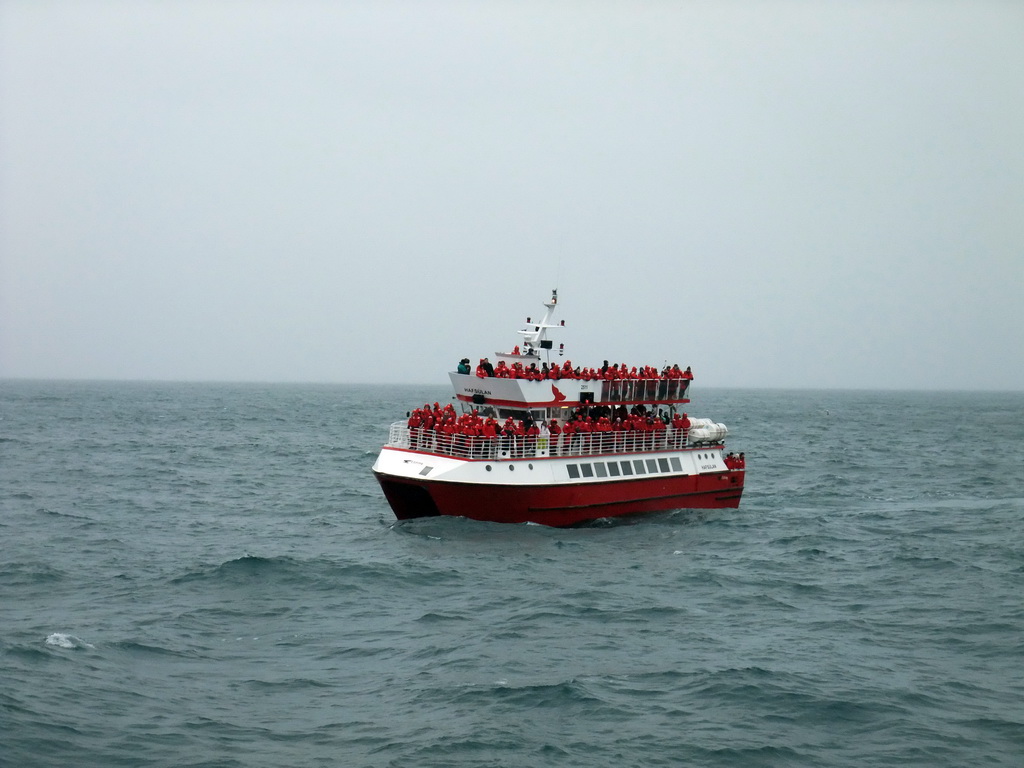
(60,640)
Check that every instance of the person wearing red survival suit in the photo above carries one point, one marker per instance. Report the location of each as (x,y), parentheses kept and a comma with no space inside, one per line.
(677,430)
(556,432)
(532,433)
(569,430)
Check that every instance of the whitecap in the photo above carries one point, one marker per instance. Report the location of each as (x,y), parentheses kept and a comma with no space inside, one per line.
(62,640)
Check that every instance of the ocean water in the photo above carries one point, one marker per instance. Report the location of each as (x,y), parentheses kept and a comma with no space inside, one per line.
(208,575)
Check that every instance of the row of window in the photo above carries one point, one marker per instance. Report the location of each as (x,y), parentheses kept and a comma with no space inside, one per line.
(625,468)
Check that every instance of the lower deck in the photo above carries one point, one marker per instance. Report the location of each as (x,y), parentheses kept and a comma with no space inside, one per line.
(546,445)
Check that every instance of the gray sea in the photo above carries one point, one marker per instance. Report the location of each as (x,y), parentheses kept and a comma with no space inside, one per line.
(208,575)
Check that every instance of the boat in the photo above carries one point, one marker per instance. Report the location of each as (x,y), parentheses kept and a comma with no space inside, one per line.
(534,441)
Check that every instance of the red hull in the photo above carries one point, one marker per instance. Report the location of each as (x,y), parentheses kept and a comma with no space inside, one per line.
(560,505)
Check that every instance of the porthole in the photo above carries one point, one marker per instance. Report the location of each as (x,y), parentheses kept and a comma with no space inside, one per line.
(530,466)
(511,467)
(488,467)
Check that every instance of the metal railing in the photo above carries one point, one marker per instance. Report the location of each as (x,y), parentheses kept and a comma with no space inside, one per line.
(630,390)
(644,390)
(534,446)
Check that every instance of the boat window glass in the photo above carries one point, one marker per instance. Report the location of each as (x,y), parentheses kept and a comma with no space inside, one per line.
(652,465)
(638,465)
(588,471)
(518,415)
(613,468)
(599,468)
(663,464)
(573,470)
(676,466)
(627,468)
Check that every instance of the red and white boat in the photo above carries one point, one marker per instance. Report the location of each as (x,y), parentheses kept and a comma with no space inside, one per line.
(658,459)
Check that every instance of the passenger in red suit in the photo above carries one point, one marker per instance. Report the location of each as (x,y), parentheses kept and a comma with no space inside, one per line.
(556,432)
(570,436)
(659,433)
(532,433)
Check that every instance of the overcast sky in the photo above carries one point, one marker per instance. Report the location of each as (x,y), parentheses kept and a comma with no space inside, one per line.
(794,194)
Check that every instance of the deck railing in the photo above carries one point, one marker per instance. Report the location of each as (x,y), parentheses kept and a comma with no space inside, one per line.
(542,446)
(644,390)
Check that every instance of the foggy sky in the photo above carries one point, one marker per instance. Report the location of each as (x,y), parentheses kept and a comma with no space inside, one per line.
(786,194)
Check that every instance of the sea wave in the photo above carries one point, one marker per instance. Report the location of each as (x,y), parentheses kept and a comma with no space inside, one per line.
(67,641)
(29,575)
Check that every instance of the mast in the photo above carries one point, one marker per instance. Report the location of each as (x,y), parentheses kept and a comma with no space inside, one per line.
(535,335)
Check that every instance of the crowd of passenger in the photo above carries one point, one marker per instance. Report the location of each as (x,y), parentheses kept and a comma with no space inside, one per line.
(590,429)
(566,370)
(735,461)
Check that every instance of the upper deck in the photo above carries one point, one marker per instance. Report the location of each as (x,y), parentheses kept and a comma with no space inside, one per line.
(523,381)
